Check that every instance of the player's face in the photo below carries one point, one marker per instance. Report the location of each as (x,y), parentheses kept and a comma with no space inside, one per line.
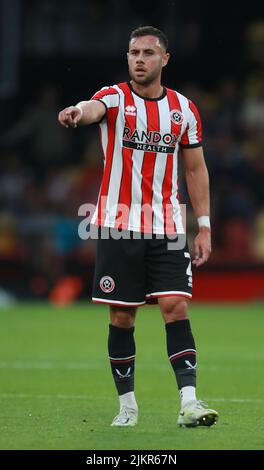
(146,58)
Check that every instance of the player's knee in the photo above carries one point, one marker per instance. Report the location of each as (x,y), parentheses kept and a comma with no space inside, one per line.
(122,319)
(174,310)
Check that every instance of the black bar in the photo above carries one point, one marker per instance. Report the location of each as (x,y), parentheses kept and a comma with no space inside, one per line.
(126,458)
(145,147)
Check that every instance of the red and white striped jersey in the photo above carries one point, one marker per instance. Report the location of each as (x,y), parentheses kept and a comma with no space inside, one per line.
(141,139)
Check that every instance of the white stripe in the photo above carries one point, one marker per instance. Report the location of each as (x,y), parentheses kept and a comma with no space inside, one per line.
(236,400)
(45,365)
(104,132)
(121,358)
(88,397)
(160,166)
(169,292)
(48,397)
(174,189)
(134,220)
(104,301)
(184,104)
(104,138)
(180,352)
(193,129)
(177,217)
(158,177)
(111,100)
(117,167)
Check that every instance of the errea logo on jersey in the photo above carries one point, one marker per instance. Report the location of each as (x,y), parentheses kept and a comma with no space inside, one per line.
(176,116)
(130,111)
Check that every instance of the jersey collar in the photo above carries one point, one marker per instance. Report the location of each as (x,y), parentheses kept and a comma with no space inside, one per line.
(164,93)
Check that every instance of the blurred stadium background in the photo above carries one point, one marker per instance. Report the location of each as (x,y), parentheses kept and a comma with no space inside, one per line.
(58,53)
(54,54)
(53,361)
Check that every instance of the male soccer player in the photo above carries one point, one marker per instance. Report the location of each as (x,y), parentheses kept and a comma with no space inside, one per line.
(143,125)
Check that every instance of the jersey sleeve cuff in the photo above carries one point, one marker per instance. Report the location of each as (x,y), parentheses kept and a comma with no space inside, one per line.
(191,146)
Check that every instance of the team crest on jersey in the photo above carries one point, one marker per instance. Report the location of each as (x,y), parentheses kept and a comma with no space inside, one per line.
(130,110)
(176,116)
(107,284)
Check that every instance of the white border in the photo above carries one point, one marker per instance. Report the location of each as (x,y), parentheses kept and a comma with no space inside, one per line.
(117,302)
(170,292)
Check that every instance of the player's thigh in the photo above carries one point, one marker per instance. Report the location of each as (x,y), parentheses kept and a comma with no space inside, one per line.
(169,272)
(120,271)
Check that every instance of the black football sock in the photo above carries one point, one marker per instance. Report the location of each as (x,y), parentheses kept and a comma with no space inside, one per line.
(182,352)
(122,349)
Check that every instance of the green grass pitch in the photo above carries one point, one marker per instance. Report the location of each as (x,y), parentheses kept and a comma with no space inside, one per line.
(56,389)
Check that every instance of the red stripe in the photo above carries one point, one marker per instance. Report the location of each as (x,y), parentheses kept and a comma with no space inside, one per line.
(198,120)
(101,141)
(183,354)
(147,170)
(111,124)
(174,104)
(185,138)
(178,197)
(169,224)
(101,93)
(121,361)
(124,200)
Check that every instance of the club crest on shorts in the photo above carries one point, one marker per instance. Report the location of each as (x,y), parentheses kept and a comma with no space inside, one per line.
(176,116)
(107,284)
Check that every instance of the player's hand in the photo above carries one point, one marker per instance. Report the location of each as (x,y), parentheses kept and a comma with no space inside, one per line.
(69,117)
(202,246)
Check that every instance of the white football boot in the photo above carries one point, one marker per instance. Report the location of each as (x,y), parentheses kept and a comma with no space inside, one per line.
(126,417)
(195,413)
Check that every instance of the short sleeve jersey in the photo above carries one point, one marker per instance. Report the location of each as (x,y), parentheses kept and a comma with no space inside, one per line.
(141,139)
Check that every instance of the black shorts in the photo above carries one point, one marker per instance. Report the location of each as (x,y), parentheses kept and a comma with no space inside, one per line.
(133,272)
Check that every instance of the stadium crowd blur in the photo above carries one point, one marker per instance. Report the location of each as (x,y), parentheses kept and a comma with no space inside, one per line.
(48,172)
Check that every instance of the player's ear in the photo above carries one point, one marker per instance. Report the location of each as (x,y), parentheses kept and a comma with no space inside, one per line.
(165,59)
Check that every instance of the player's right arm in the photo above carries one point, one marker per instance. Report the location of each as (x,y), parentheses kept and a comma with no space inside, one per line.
(84,113)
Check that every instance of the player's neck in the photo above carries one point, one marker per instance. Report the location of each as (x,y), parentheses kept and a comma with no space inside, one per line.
(152,91)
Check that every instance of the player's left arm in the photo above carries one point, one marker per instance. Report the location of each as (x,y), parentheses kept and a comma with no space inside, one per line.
(197,180)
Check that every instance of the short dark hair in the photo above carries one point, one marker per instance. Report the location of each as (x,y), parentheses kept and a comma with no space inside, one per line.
(150,31)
